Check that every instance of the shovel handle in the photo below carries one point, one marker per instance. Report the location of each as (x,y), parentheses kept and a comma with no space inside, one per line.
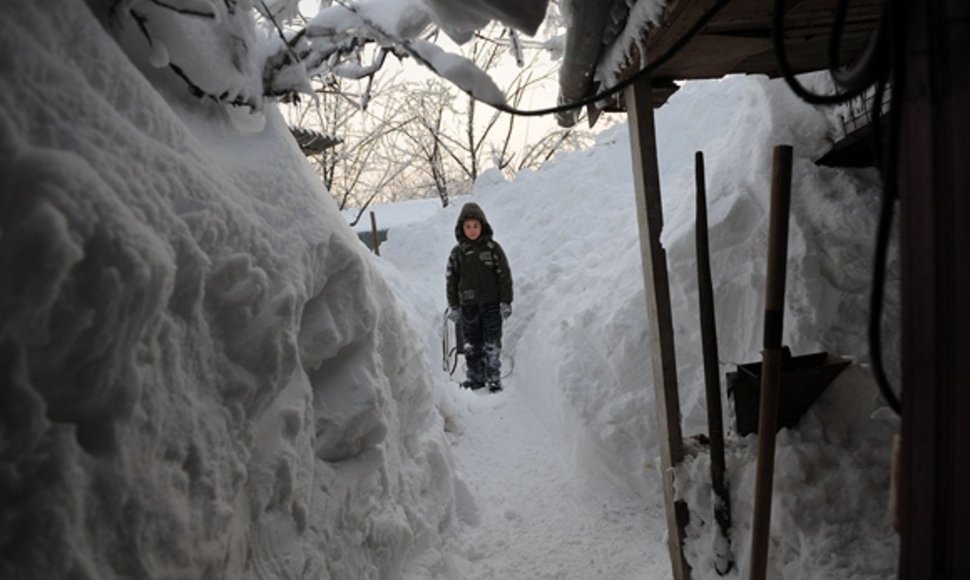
(777,245)
(771,358)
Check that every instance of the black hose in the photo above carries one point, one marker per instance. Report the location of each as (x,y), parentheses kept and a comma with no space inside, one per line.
(659,62)
(888,163)
(856,81)
(872,64)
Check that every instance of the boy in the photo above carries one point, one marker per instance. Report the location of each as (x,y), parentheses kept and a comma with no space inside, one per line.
(479,286)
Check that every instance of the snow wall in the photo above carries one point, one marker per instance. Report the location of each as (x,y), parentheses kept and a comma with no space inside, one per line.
(203,376)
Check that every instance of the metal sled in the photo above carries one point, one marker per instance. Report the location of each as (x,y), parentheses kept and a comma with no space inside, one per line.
(452,342)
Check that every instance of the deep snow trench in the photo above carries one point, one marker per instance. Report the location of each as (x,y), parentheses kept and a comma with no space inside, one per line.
(536,518)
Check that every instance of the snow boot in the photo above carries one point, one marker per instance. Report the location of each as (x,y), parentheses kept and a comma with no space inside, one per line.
(471,385)
(494,386)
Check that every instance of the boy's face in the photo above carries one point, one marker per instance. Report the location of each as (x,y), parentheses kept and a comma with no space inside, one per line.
(472,228)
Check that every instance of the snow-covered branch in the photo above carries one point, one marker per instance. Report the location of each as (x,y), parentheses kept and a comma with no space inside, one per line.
(241,52)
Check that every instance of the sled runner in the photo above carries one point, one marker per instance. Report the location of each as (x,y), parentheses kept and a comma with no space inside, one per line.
(451,348)
(451,341)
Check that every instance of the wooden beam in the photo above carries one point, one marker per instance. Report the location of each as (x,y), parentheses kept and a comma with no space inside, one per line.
(660,92)
(934,195)
(737,38)
(646,178)
(709,52)
(676,20)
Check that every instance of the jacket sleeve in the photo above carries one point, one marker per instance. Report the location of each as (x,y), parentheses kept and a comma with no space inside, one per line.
(451,278)
(504,275)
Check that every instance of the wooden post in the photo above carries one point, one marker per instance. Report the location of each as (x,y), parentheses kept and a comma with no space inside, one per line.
(771,357)
(656,285)
(723,557)
(934,241)
(373,230)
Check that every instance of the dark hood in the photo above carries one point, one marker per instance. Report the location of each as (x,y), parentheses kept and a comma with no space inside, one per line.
(472,210)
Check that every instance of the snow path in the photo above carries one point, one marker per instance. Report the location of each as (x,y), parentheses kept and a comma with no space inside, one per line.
(539,518)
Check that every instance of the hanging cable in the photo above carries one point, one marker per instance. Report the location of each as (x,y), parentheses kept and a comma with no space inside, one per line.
(871,66)
(853,82)
(606,93)
(888,158)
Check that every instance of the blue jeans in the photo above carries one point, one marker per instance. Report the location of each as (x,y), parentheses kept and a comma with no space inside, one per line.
(481,325)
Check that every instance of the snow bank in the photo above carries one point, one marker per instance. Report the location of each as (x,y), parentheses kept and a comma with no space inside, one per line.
(203,374)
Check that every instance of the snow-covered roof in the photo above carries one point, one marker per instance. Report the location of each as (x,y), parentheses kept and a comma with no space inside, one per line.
(313,142)
(606,42)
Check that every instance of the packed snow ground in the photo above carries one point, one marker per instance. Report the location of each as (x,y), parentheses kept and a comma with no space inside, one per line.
(537,517)
(205,374)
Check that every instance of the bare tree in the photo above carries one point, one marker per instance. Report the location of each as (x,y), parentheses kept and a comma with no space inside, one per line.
(422,139)
(435,168)
(361,168)
(450,141)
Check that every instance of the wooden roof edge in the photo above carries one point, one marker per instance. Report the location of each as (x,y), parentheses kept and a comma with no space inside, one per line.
(579,67)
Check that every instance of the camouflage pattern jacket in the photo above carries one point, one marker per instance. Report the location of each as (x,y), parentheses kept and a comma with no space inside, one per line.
(478,271)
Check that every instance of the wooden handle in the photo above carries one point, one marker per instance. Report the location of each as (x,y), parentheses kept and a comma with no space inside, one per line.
(777,245)
(771,358)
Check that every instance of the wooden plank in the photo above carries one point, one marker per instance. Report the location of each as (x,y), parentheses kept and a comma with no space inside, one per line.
(709,54)
(807,55)
(934,214)
(712,55)
(659,317)
(742,14)
(957,122)
(737,40)
(677,19)
(659,94)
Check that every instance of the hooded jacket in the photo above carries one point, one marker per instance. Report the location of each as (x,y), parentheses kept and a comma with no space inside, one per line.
(478,271)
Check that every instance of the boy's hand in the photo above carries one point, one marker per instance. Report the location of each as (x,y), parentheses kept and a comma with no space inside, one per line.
(454,313)
(506,310)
